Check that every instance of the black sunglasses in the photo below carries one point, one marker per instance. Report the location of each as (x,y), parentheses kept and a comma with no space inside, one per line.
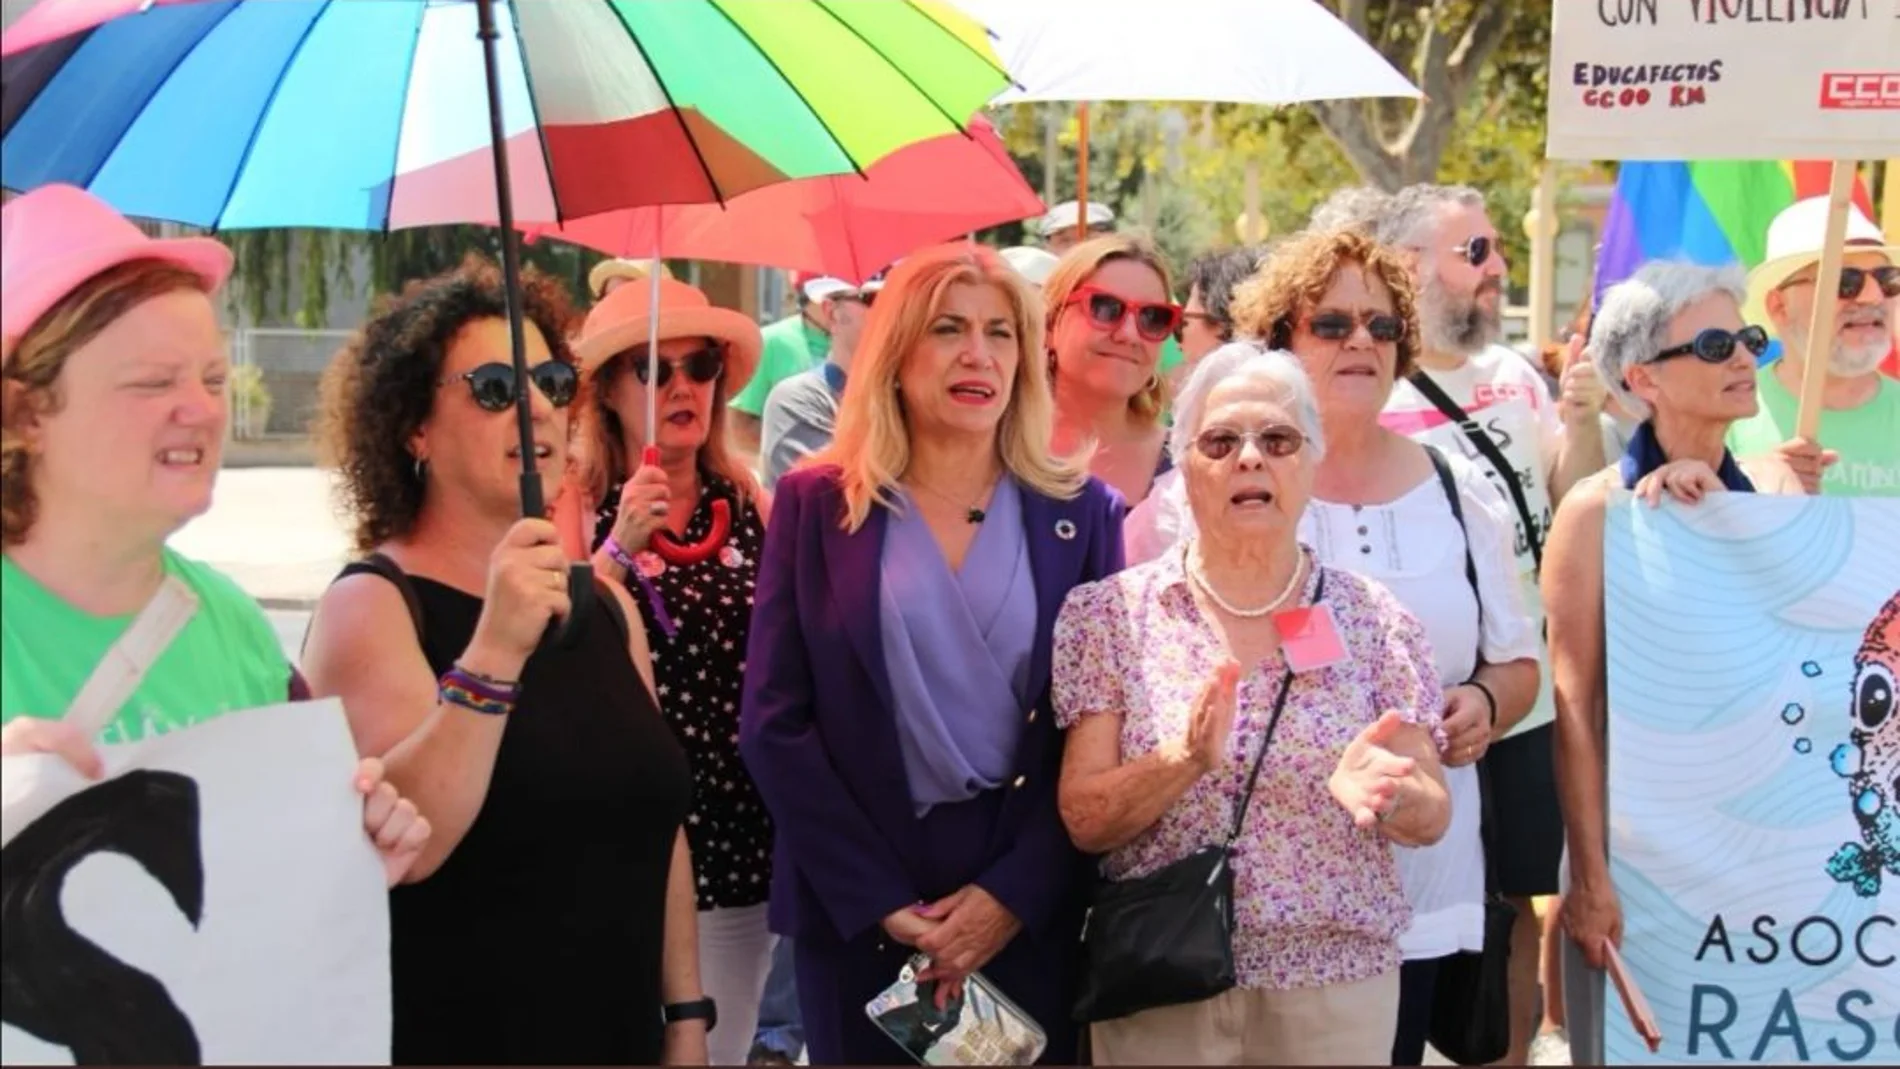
(1476,250)
(1716,345)
(701,366)
(1275,440)
(1853,278)
(1338,326)
(493,385)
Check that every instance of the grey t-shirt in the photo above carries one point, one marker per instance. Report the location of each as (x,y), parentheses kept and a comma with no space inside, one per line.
(800,414)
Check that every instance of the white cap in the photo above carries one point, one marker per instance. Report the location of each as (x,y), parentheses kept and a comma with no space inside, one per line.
(1794,241)
(1063,216)
(1030,262)
(824,287)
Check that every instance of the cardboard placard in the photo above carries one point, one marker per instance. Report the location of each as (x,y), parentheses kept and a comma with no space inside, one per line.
(1724,79)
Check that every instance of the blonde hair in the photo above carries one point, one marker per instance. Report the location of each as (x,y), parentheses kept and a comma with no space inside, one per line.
(1074,270)
(601,457)
(872,445)
(29,379)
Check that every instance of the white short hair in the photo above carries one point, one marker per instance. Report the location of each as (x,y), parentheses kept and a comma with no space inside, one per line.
(1246,358)
(1411,214)
(1632,320)
(1352,208)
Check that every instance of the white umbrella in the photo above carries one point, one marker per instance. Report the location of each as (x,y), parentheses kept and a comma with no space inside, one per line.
(1231,51)
(1226,51)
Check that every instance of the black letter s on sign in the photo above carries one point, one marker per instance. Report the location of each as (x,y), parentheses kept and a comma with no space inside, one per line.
(59,985)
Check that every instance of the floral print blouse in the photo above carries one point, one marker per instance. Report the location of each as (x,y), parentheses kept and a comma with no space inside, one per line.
(1317,902)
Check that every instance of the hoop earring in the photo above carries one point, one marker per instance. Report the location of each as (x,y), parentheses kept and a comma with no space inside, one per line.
(1154,383)
(422,470)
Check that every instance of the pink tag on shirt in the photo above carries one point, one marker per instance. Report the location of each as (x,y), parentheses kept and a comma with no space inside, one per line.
(1310,639)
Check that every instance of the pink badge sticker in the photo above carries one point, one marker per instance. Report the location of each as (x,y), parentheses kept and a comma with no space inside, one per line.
(650,564)
(1310,639)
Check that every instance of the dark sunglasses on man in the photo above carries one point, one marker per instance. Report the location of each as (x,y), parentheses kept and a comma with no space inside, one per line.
(1886,278)
(700,366)
(1154,320)
(1715,345)
(1476,250)
(493,385)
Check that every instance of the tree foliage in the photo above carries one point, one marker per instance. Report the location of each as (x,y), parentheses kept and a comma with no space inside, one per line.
(286,276)
(1482,65)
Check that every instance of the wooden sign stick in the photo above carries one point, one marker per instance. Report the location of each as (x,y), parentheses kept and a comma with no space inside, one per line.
(1827,284)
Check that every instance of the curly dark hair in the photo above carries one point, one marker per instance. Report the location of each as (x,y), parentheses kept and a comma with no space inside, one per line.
(1216,274)
(382,386)
(1298,273)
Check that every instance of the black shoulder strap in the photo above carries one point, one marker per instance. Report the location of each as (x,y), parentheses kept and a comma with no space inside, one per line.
(1273,721)
(1449,484)
(378,564)
(1485,816)
(1423,383)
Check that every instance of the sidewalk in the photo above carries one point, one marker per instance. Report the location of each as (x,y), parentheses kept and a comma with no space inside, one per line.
(274,530)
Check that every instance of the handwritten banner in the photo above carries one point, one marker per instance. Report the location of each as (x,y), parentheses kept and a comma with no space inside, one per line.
(212,901)
(1724,79)
(1754,745)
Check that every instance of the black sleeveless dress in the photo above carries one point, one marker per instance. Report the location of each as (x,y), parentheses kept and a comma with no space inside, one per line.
(539,940)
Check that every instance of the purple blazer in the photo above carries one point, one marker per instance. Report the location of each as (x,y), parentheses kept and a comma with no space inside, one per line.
(818,733)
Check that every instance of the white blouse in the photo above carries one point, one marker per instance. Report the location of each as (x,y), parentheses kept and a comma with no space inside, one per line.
(1413,546)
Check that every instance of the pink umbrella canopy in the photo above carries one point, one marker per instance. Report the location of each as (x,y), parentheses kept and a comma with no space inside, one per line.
(847,226)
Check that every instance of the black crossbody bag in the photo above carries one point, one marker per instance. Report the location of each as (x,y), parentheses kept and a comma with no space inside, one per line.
(1167,939)
(1471,1009)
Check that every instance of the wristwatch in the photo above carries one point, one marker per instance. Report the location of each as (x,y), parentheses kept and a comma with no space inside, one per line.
(704,1009)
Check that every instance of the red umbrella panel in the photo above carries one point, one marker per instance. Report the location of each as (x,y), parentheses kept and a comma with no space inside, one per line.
(846,226)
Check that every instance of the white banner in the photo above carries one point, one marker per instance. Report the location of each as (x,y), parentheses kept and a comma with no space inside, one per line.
(1724,79)
(213,900)
(1754,777)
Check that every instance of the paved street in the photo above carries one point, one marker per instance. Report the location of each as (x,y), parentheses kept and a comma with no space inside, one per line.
(274,530)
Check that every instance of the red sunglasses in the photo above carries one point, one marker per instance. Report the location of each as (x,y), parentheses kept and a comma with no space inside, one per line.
(1154,320)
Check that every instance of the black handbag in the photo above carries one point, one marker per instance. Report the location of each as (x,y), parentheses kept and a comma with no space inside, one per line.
(1471,1007)
(1167,938)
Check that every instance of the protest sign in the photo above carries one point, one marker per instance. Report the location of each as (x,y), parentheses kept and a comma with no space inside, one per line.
(213,900)
(1724,79)
(1754,744)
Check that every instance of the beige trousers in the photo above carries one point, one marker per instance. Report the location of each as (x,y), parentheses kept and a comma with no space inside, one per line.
(1347,1024)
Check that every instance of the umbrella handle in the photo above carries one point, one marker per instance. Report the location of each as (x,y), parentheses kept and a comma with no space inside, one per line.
(669,548)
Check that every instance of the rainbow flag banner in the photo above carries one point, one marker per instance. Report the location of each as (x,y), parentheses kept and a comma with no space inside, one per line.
(1708,211)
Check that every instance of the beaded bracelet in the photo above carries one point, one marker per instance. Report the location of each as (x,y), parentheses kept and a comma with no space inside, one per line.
(477,693)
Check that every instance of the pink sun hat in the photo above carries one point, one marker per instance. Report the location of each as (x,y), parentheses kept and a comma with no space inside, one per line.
(55,238)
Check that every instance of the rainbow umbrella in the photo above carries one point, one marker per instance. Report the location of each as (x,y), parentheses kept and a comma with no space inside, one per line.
(380,114)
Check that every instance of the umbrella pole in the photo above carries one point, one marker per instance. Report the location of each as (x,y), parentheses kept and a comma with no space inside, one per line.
(532,502)
(580,577)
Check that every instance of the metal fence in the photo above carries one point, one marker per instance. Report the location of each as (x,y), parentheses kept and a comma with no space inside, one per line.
(290,363)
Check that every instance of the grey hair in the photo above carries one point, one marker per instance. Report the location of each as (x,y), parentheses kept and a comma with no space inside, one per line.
(1239,359)
(1632,320)
(1359,208)
(1412,212)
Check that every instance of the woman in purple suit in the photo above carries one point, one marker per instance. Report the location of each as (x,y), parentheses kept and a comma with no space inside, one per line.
(896,712)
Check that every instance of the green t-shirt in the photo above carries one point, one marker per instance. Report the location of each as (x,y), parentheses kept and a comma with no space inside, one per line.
(792,346)
(226,657)
(1867,438)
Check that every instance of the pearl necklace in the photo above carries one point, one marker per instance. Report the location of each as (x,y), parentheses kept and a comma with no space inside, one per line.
(1292,585)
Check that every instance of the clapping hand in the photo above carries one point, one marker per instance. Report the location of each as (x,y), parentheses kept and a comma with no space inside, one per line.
(1369,776)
